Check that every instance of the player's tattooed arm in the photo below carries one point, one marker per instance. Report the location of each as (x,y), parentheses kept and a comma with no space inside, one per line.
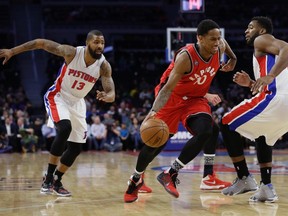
(161,99)
(108,95)
(181,66)
(66,51)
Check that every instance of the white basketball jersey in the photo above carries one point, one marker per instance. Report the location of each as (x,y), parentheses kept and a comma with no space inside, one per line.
(75,80)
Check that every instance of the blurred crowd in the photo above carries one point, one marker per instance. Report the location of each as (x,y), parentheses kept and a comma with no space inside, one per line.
(138,60)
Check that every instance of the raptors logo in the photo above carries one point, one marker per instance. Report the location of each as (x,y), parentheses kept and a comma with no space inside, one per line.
(202,76)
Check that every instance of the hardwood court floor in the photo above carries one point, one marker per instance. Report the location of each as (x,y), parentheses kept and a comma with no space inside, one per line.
(98,181)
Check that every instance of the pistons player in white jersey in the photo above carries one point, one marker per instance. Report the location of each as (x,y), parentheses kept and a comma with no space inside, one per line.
(263,117)
(180,96)
(64,101)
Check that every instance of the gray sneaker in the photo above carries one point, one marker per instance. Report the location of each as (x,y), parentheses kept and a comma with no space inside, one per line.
(266,193)
(240,186)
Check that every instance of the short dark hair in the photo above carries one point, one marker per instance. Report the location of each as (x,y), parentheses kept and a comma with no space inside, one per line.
(206,25)
(264,22)
(92,33)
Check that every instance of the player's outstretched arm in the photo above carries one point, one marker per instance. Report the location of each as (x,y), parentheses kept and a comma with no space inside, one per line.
(66,51)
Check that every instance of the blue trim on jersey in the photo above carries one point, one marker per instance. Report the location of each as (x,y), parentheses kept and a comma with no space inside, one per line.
(46,101)
(262,105)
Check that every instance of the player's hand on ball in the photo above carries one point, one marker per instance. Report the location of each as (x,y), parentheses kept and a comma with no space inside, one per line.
(151,114)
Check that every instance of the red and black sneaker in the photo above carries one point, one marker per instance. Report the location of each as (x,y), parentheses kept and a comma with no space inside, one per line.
(59,190)
(47,184)
(131,195)
(144,188)
(169,183)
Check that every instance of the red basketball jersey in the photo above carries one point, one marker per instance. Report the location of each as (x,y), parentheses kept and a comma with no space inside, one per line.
(195,83)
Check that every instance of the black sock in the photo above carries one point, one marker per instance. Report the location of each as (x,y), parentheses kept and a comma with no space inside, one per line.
(241,168)
(266,175)
(208,164)
(58,176)
(51,169)
(208,170)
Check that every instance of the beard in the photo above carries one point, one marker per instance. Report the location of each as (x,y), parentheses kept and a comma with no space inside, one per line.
(252,39)
(93,53)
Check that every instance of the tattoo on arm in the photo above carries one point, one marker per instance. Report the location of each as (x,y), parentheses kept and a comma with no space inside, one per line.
(161,99)
(106,77)
(54,48)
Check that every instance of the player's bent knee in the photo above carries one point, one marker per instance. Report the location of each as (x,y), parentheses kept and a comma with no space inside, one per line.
(64,128)
(72,152)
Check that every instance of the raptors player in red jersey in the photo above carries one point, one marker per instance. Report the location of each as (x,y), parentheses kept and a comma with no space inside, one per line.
(64,100)
(181,97)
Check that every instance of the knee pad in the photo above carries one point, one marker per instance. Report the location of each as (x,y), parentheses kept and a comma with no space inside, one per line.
(264,151)
(63,128)
(200,124)
(232,140)
(71,153)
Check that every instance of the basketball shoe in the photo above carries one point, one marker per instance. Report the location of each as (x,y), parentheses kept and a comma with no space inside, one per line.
(240,186)
(169,183)
(59,190)
(131,194)
(144,188)
(47,185)
(211,182)
(266,193)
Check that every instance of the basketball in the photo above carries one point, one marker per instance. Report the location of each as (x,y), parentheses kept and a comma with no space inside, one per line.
(154,132)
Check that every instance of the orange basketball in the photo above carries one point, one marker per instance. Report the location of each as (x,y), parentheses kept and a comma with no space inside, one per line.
(154,132)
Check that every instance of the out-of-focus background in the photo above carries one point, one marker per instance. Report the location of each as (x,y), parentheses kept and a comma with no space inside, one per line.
(136,34)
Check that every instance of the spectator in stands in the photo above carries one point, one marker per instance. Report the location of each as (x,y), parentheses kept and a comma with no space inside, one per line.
(134,130)
(98,133)
(28,140)
(113,142)
(11,130)
(4,141)
(125,137)
(49,134)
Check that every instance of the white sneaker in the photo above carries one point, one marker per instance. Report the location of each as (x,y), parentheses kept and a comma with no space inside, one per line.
(266,193)
(240,186)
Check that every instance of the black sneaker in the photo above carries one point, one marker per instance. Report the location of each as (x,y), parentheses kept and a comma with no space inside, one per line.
(59,190)
(47,185)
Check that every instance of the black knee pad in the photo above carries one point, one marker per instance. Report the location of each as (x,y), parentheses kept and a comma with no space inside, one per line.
(264,151)
(232,140)
(71,153)
(200,124)
(63,129)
